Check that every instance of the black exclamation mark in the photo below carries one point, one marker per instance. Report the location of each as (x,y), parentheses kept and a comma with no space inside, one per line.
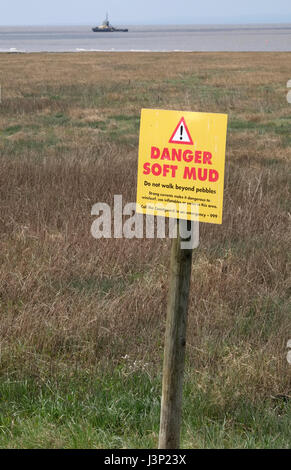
(181,132)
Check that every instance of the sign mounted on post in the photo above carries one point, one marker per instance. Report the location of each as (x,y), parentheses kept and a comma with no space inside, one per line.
(181,161)
(180,175)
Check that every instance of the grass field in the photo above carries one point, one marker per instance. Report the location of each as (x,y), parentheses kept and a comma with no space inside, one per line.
(82,321)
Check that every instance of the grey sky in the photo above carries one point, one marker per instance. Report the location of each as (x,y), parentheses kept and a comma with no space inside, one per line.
(65,12)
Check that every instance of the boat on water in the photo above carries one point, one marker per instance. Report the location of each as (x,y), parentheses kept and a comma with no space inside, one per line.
(106,27)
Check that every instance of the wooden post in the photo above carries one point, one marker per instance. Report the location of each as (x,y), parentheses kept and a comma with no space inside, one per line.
(175,343)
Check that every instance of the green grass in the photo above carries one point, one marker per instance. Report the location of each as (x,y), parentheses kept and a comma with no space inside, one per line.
(58,119)
(184,80)
(280,127)
(10,130)
(91,410)
(30,144)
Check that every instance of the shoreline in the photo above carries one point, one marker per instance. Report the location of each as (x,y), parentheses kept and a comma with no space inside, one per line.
(147,51)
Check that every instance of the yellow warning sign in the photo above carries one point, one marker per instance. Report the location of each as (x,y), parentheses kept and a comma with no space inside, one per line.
(181,164)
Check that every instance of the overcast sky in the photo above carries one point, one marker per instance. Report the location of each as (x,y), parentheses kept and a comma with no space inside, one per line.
(66,12)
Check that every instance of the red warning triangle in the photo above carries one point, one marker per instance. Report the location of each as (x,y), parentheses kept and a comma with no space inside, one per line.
(181,134)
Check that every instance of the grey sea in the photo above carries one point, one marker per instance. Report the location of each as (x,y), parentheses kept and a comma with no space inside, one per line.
(275,37)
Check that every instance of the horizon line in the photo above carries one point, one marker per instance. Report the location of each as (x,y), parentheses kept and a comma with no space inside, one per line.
(159,24)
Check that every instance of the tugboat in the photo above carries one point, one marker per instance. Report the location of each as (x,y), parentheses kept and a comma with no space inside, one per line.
(106,27)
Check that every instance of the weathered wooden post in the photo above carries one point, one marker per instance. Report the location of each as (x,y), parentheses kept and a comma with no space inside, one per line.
(175,343)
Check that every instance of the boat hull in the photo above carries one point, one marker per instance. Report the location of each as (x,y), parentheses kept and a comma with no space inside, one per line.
(109,30)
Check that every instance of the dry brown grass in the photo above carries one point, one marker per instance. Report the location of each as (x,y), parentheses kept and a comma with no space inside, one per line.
(68,299)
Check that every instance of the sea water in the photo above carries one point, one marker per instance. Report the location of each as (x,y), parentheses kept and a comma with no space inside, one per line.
(147,38)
